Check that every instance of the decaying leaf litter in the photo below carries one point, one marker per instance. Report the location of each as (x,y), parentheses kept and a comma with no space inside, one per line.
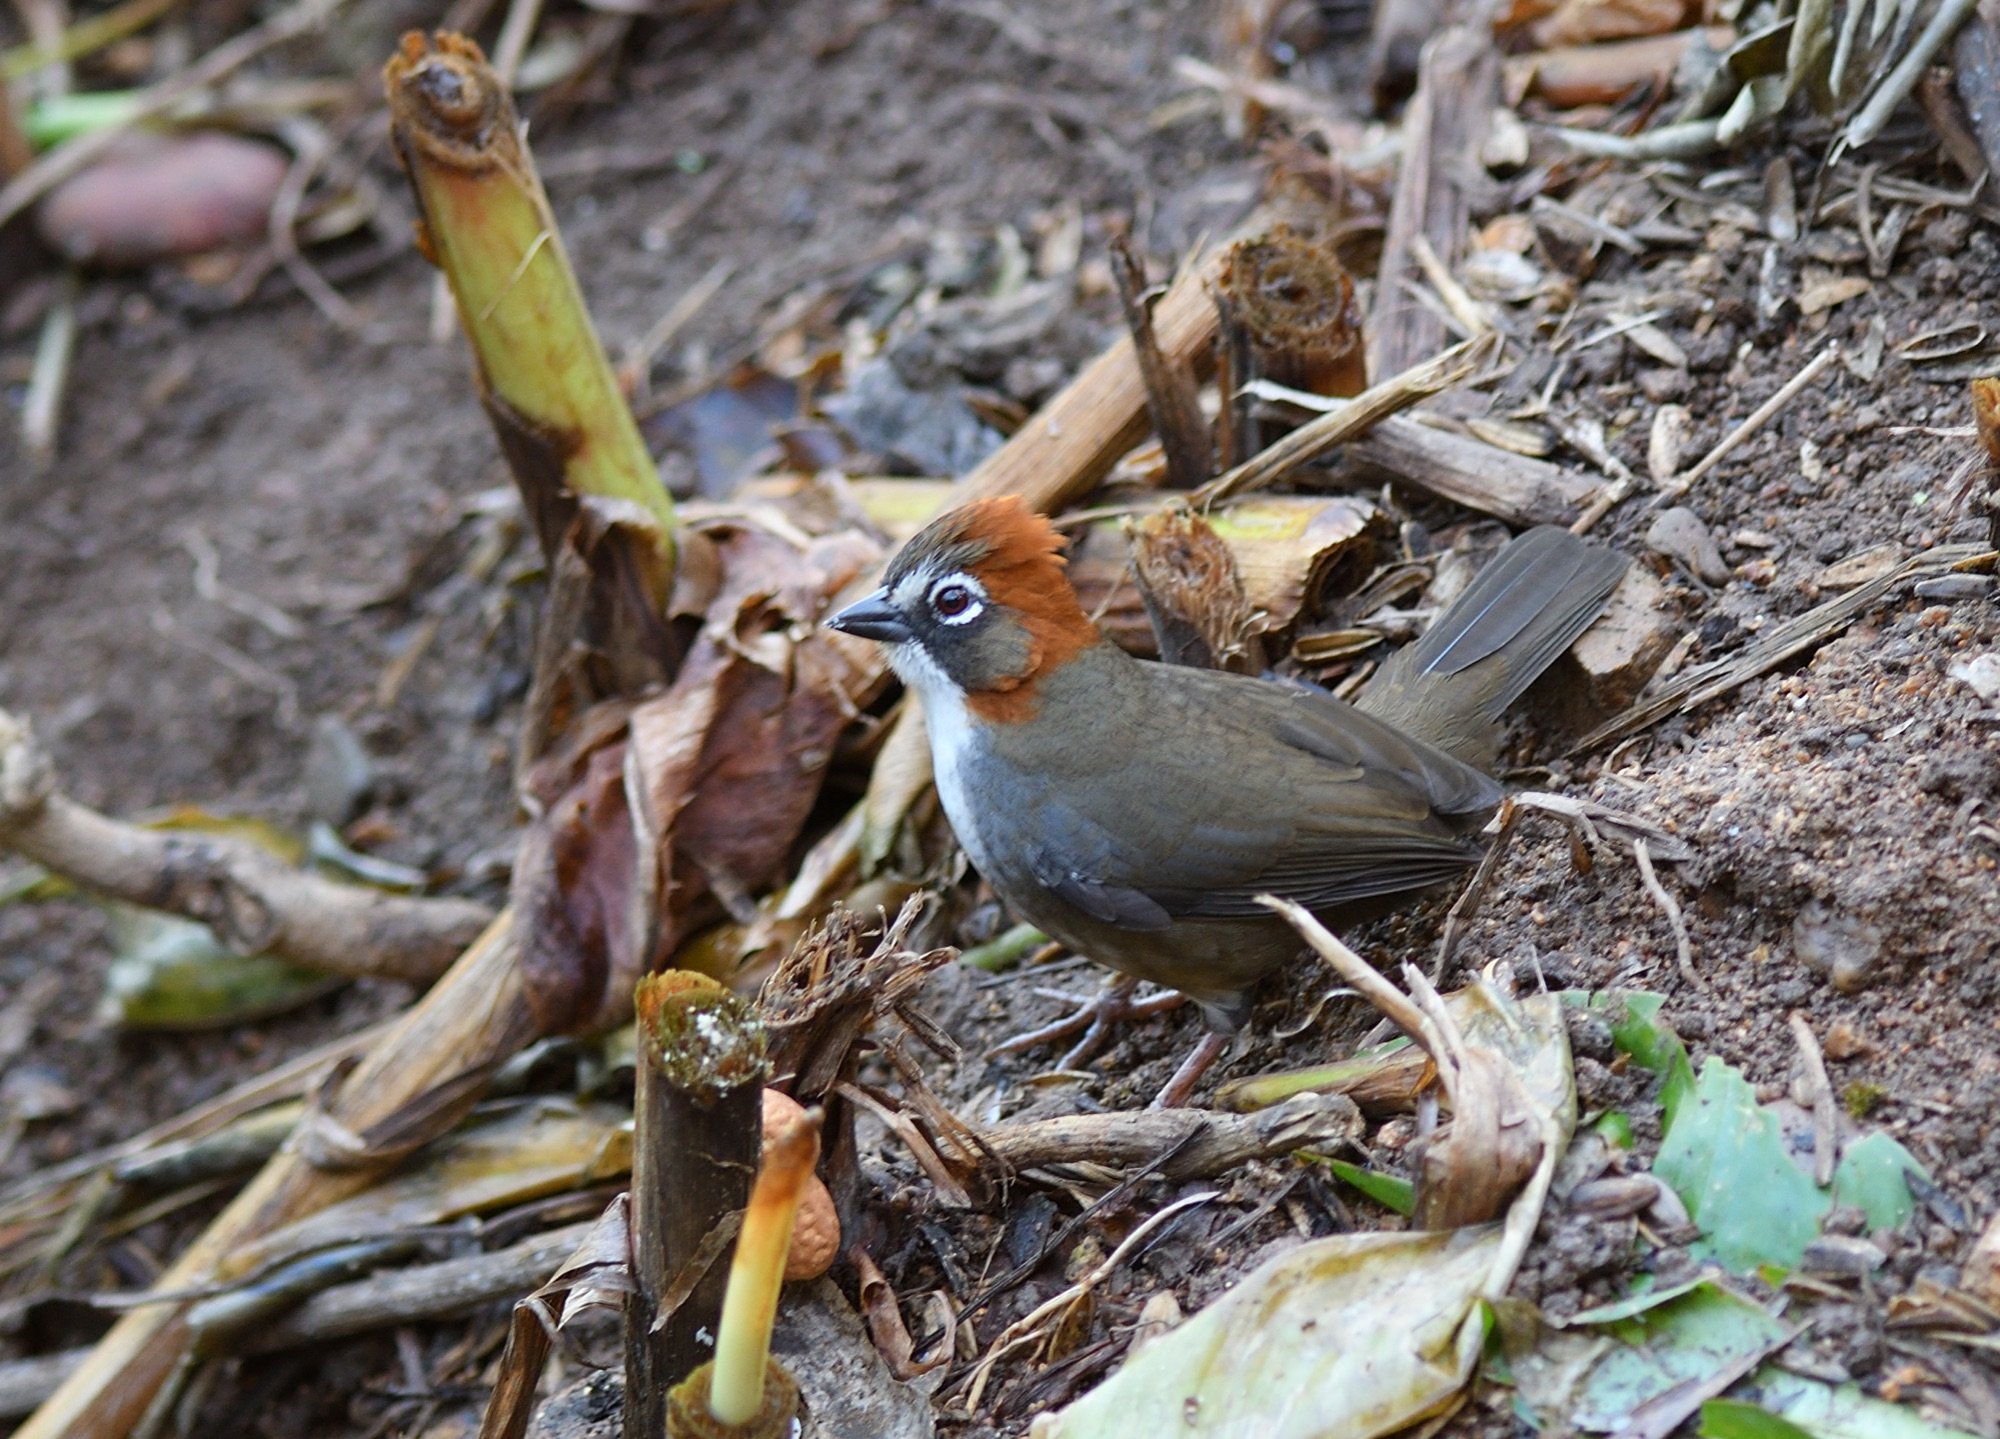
(1841,860)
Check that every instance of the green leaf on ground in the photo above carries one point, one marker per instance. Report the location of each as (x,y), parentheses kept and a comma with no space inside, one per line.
(173,973)
(1871,1178)
(1684,1341)
(1827,1411)
(1385,1189)
(1733,1419)
(1725,1155)
(1728,1158)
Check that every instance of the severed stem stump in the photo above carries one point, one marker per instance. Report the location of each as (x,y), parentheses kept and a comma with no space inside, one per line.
(698,1131)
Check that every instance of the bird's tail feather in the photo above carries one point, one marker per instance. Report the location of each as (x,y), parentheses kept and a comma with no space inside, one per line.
(1520,613)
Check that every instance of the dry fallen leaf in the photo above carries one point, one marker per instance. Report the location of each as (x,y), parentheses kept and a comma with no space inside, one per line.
(1216,585)
(661,811)
(1579,22)
(883,1315)
(1821,289)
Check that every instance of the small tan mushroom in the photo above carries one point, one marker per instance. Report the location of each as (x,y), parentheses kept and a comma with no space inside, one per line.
(816,1232)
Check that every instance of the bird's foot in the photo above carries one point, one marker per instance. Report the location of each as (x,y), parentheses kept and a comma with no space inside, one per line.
(1095,1021)
(1199,1060)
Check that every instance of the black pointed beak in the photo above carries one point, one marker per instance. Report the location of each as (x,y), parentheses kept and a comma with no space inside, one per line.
(873,618)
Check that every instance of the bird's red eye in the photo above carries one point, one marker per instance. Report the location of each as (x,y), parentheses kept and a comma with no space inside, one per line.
(951,600)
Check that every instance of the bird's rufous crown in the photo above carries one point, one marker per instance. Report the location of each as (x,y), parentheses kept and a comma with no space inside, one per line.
(1016,554)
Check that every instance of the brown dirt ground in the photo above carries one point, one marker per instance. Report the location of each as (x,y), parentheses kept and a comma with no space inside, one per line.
(344,481)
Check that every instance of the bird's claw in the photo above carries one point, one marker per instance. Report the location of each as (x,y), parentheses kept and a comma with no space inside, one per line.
(1113,1006)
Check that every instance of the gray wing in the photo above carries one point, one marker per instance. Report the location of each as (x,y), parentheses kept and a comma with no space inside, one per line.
(1342,809)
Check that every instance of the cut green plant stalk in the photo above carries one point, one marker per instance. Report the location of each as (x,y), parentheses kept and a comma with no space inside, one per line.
(1005,950)
(750,1304)
(689,1415)
(486,223)
(737,1385)
(52,121)
(1382,1079)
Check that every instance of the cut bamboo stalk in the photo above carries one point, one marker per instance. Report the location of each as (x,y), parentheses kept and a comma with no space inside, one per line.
(1298,312)
(698,1129)
(588,484)
(424,1075)
(487,225)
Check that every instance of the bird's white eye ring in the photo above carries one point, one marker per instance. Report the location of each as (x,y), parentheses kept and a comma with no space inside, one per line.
(957,599)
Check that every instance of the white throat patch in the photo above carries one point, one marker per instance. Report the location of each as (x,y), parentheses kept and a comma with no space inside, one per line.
(946,720)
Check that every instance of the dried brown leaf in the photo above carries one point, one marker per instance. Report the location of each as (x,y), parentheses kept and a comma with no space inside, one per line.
(598,1273)
(575,882)
(787,687)
(1579,22)
(1471,1169)
(1606,73)
(1289,548)
(883,1315)
(703,797)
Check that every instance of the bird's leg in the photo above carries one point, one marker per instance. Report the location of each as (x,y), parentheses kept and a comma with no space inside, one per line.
(1200,1058)
(1113,1006)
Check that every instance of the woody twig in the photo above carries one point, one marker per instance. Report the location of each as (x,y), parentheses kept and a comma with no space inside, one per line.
(255,902)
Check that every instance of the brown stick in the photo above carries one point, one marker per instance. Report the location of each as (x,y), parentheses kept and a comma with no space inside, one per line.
(1170,388)
(255,902)
(1354,417)
(1517,488)
(1458,86)
(420,1291)
(1204,1142)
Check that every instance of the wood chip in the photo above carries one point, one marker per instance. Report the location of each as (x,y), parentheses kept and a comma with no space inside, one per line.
(1860,569)
(1609,665)
(1821,290)
(1672,425)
